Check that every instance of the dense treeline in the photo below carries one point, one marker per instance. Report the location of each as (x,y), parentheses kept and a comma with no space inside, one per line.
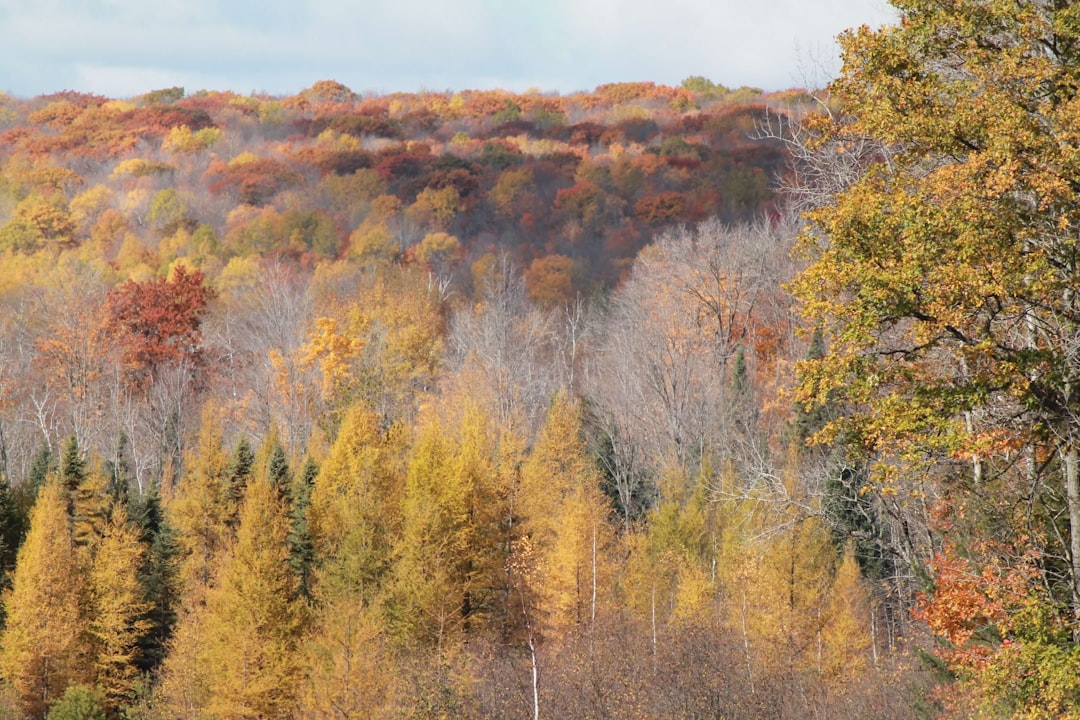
(469,405)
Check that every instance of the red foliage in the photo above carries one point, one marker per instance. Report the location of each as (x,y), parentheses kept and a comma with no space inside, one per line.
(585,133)
(254,182)
(157,321)
(403,162)
(660,208)
(158,120)
(970,606)
(373,123)
(580,200)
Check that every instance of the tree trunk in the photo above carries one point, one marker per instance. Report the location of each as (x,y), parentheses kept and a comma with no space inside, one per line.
(1071,459)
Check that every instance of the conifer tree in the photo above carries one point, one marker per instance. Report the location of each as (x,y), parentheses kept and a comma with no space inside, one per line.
(44,462)
(301,549)
(42,651)
(427,595)
(73,471)
(237,476)
(253,619)
(355,512)
(278,472)
(348,669)
(90,509)
(118,470)
(12,529)
(202,507)
(118,609)
(158,575)
(846,631)
(564,514)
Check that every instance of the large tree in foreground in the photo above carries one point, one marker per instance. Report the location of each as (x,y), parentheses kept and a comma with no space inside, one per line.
(945,278)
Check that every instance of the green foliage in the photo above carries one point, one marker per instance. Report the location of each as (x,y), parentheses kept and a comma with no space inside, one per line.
(301,547)
(159,575)
(164,96)
(73,471)
(238,474)
(170,212)
(79,702)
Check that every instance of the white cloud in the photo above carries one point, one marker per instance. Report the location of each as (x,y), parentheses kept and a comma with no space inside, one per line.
(124,47)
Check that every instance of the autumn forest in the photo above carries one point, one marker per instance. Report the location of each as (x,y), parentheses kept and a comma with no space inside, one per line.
(644,402)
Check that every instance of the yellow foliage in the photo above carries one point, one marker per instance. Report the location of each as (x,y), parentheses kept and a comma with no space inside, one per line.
(87,207)
(438,248)
(372,245)
(118,608)
(181,139)
(43,643)
(239,275)
(243,158)
(333,354)
(845,633)
(253,620)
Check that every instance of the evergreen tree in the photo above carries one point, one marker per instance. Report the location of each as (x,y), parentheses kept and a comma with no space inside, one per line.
(73,471)
(158,575)
(79,702)
(277,470)
(44,462)
(12,529)
(301,549)
(809,420)
(237,476)
(118,469)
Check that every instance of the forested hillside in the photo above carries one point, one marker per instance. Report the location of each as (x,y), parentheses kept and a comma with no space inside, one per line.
(493,405)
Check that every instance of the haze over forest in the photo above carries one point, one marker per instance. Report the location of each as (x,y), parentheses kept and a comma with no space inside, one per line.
(648,401)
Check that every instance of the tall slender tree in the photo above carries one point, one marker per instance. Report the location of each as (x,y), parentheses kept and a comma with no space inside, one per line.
(43,648)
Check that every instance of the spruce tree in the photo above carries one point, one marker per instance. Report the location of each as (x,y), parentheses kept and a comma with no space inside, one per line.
(158,575)
(301,549)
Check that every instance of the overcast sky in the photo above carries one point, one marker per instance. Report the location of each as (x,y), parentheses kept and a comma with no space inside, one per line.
(121,48)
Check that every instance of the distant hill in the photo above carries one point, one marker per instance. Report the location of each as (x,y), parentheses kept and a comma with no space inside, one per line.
(564,184)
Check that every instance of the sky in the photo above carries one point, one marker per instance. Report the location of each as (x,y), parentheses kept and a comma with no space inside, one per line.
(122,48)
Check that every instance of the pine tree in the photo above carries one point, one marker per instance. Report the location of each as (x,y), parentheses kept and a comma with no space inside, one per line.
(42,648)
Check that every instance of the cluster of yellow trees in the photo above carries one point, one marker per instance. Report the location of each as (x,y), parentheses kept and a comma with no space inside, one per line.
(260,592)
